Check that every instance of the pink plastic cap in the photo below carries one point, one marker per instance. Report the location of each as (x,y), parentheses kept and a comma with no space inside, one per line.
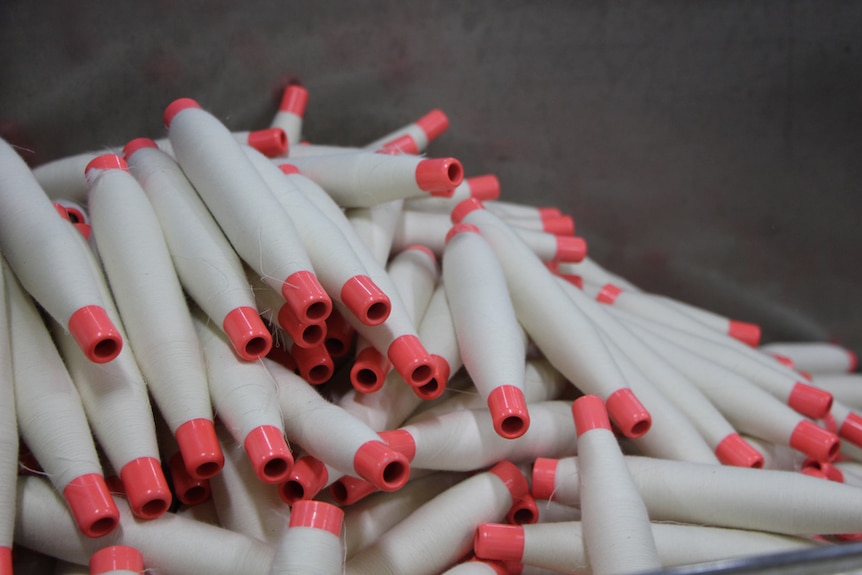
(734,450)
(853,361)
(201,450)
(303,333)
(189,490)
(401,441)
(271,142)
(523,512)
(498,541)
(544,477)
(810,401)
(84,229)
(783,360)
(443,193)
(146,487)
(367,301)
(379,464)
(485,187)
(439,174)
(314,363)
(402,144)
(369,370)
(464,207)
(294,100)
(95,333)
(176,107)
(339,335)
(6,560)
(806,375)
(608,294)
(411,360)
(433,123)
(423,249)
(546,212)
(138,144)
(573,279)
(268,452)
(317,515)
(829,423)
(306,296)
(559,225)
(831,472)
(116,558)
(851,429)
(348,490)
(628,413)
(508,408)
(748,333)
(815,441)
(305,480)
(512,477)
(589,413)
(570,249)
(813,472)
(435,386)
(107,162)
(288,169)
(247,333)
(91,505)
(461,229)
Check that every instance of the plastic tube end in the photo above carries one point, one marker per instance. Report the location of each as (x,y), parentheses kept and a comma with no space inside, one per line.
(464,207)
(544,477)
(303,333)
(314,363)
(590,413)
(560,226)
(91,505)
(748,333)
(107,162)
(433,123)
(369,370)
(411,359)
(288,169)
(460,229)
(404,144)
(269,454)
(137,144)
(439,174)
(116,558)
(317,515)
(523,512)
(247,333)
(571,249)
(734,450)
(512,477)
(435,386)
(608,294)
(200,448)
(851,429)
(95,333)
(815,441)
(628,413)
(484,188)
(810,401)
(853,361)
(348,490)
(306,296)
(189,490)
(382,466)
(294,99)
(367,301)
(6,561)
(271,142)
(176,107)
(146,487)
(305,480)
(401,441)
(508,408)
(499,541)
(783,360)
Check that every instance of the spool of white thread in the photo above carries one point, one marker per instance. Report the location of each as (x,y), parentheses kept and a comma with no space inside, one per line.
(117,560)
(190,490)
(845,387)
(246,401)
(42,251)
(291,110)
(8,438)
(559,546)
(377,225)
(422,131)
(815,357)
(205,262)
(721,495)
(251,217)
(171,544)
(51,419)
(617,535)
(153,308)
(311,544)
(440,532)
(485,187)
(593,273)
(745,332)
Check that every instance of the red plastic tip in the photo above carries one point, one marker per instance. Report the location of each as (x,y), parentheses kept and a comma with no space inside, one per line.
(198,442)
(748,333)
(734,450)
(544,477)
(146,487)
(401,441)
(512,477)
(268,452)
(314,363)
(382,466)
(523,512)
(303,333)
(814,441)
(294,100)
(590,413)
(460,229)
(137,144)
(435,386)
(271,142)
(484,188)
(95,333)
(91,505)
(853,360)
(348,490)
(116,558)
(369,370)
(403,144)
(107,162)
(608,294)
(423,249)
(508,408)
(464,207)
(189,490)
(247,333)
(806,375)
(306,297)
(6,561)
(305,480)
(367,301)
(573,279)
(433,123)
(411,360)
(571,249)
(339,335)
(443,193)
(288,169)
(317,515)
(628,413)
(810,401)
(176,107)
(559,225)
(439,174)
(830,471)
(498,541)
(851,429)
(783,360)
(813,472)
(61,211)
(84,229)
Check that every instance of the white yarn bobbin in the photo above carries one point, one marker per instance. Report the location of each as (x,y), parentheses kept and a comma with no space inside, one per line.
(170,544)
(64,177)
(422,131)
(51,419)
(311,544)
(844,387)
(205,262)
(40,248)
(377,226)
(250,216)
(815,357)
(291,110)
(8,437)
(748,333)
(483,188)
(617,534)
(272,307)
(271,142)
(117,560)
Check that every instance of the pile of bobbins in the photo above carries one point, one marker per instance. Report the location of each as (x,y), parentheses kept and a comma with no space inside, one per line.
(243,353)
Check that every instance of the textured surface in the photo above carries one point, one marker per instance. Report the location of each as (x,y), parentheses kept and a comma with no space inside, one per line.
(709,151)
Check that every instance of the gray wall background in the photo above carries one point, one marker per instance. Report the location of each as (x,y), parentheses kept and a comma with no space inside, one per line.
(707,150)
